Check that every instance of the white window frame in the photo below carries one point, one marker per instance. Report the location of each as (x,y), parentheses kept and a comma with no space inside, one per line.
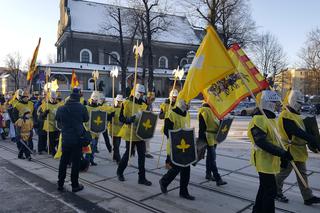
(90,55)
(115,53)
(166,64)
(89,83)
(183,59)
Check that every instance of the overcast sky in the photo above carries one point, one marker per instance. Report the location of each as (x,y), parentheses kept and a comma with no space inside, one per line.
(22,22)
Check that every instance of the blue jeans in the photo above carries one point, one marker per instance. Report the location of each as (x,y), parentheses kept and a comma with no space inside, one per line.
(94,143)
(211,165)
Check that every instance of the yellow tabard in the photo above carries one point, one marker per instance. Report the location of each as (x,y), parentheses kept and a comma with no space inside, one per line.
(178,123)
(90,109)
(116,123)
(25,128)
(212,124)
(298,148)
(262,160)
(24,107)
(52,115)
(106,108)
(127,112)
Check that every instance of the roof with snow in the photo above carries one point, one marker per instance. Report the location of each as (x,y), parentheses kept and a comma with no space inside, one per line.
(91,17)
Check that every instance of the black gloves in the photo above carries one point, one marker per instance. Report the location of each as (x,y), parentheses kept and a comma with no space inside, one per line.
(112,114)
(130,119)
(287,156)
(46,112)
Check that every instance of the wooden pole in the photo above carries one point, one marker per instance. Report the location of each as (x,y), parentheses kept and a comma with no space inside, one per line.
(134,98)
(169,108)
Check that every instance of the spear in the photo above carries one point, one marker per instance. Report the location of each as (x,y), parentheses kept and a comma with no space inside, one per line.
(114,74)
(48,73)
(178,74)
(138,51)
(95,75)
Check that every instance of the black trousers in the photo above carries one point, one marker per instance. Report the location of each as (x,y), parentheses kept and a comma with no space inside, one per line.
(22,148)
(184,177)
(42,141)
(141,149)
(53,142)
(116,148)
(266,194)
(73,154)
(107,140)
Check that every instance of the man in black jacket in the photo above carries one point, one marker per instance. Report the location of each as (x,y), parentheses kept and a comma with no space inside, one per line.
(70,118)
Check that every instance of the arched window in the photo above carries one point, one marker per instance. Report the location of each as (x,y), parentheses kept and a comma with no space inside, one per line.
(190,56)
(91,84)
(85,56)
(163,62)
(183,62)
(114,57)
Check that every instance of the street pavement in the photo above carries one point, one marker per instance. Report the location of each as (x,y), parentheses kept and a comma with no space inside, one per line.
(103,191)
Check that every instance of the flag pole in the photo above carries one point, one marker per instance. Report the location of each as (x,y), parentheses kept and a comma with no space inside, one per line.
(48,72)
(177,74)
(138,49)
(114,74)
(278,137)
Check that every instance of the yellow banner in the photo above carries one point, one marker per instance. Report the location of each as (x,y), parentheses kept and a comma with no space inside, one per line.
(212,62)
(33,67)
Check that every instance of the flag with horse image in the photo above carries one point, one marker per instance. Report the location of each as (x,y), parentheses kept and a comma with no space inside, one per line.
(227,92)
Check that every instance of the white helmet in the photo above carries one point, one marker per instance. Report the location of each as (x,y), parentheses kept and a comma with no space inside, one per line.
(95,96)
(53,96)
(118,99)
(295,100)
(173,95)
(102,99)
(269,99)
(138,90)
(181,104)
(19,94)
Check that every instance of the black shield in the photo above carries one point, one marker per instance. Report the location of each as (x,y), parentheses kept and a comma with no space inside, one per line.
(183,147)
(223,130)
(98,121)
(311,126)
(146,125)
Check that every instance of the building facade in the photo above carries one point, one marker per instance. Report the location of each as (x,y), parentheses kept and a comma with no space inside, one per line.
(84,45)
(305,80)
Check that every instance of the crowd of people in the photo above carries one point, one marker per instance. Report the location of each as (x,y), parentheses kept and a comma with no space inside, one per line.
(63,131)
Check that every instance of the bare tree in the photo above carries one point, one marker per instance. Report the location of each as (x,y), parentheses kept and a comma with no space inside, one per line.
(13,62)
(268,54)
(231,19)
(124,28)
(310,54)
(153,19)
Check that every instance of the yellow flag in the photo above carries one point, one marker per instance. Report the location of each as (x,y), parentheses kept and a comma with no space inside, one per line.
(211,62)
(226,93)
(32,67)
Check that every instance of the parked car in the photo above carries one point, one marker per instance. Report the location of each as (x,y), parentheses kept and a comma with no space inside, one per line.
(244,109)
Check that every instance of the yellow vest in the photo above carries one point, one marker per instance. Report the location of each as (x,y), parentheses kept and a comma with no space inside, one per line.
(25,128)
(212,124)
(262,160)
(24,107)
(106,108)
(90,109)
(127,112)
(298,148)
(116,123)
(178,123)
(52,115)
